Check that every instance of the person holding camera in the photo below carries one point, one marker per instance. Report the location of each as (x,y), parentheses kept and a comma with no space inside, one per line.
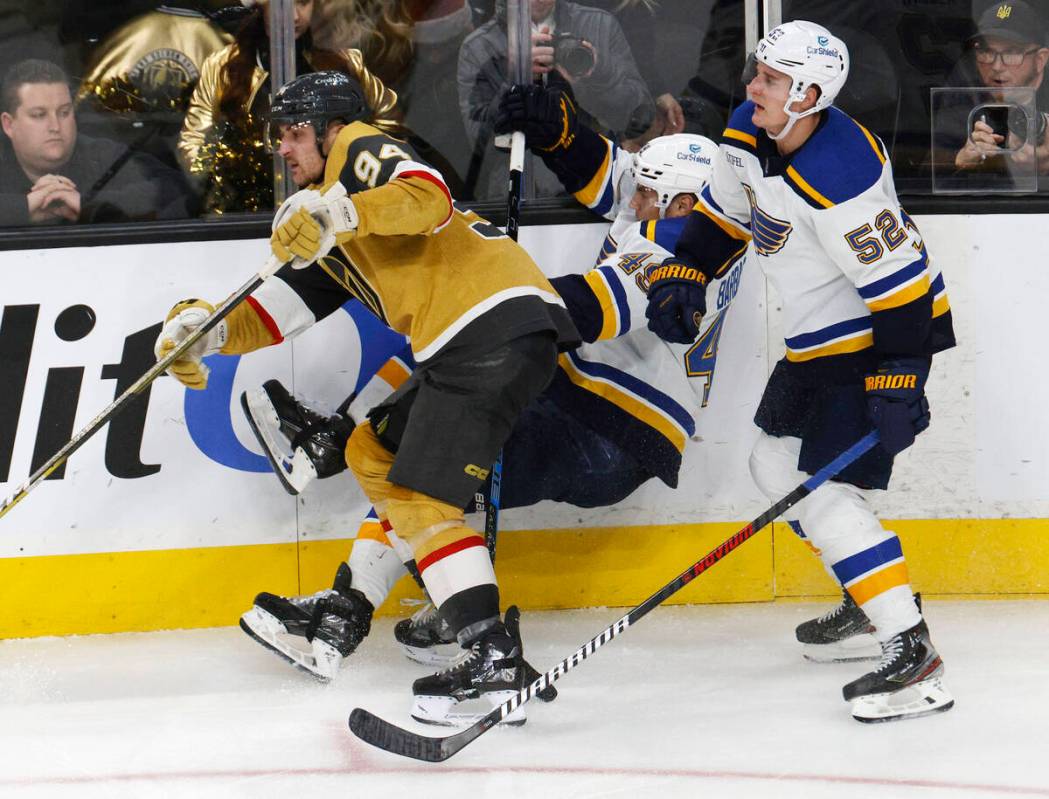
(1009,51)
(572,45)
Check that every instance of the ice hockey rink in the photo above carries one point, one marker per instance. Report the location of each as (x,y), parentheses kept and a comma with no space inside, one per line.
(711,701)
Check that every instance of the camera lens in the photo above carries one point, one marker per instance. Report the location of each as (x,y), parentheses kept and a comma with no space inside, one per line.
(573,56)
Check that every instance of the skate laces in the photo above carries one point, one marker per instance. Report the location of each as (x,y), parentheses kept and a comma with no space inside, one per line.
(424,616)
(834,612)
(890,652)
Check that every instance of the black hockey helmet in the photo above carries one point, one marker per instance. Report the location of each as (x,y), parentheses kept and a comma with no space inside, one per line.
(318,98)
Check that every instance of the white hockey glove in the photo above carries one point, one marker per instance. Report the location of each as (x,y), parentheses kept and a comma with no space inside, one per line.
(309,224)
(182,320)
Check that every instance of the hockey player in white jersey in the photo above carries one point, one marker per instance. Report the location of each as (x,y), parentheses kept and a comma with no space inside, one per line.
(619,411)
(810,191)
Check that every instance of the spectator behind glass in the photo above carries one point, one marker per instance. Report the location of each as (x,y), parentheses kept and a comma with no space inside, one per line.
(49,174)
(1008,50)
(138,81)
(637,18)
(596,61)
(223,142)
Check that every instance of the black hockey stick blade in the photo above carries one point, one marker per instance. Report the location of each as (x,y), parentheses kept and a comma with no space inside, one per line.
(369,727)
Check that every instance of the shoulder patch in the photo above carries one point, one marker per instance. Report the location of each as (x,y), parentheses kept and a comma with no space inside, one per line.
(740,131)
(841,161)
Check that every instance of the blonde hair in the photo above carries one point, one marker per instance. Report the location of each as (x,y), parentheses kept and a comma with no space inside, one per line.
(380,29)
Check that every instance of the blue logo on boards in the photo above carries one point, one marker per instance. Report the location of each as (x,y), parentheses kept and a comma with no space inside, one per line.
(208,413)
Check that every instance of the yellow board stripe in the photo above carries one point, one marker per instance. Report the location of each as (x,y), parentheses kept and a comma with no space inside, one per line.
(589,193)
(109,592)
(918,288)
(837,348)
(621,399)
(609,323)
(394,373)
(739,135)
(878,583)
(802,184)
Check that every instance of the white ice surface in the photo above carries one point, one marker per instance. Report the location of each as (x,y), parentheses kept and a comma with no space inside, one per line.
(706,701)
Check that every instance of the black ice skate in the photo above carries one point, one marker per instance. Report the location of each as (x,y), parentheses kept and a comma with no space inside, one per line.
(427,639)
(490,674)
(300,443)
(907,683)
(841,635)
(313,632)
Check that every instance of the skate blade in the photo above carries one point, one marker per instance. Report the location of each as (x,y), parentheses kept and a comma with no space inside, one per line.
(294,469)
(858,648)
(445,711)
(921,699)
(320,661)
(441,656)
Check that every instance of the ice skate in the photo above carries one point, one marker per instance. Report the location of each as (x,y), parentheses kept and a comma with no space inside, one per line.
(841,635)
(908,682)
(300,443)
(491,672)
(314,632)
(427,639)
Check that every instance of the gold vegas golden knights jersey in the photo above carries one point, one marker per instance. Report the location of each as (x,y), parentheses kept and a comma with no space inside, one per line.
(154,58)
(440,275)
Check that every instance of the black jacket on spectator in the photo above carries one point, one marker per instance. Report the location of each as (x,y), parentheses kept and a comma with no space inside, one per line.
(115,185)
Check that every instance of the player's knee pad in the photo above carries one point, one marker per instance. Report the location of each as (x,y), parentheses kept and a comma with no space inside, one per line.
(417,518)
(370,462)
(774,465)
(839,521)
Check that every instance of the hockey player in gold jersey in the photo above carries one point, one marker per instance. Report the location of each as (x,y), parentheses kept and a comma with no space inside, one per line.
(377,224)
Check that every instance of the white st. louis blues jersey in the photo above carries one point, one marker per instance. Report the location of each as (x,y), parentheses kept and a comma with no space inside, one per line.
(828,230)
(657,388)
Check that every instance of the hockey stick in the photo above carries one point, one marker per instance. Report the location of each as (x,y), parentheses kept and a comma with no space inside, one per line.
(372,729)
(513,210)
(122,402)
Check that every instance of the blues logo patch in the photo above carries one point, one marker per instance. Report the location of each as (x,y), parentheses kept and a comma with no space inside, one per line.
(770,234)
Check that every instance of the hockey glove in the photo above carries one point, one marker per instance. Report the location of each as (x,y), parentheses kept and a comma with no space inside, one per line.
(309,224)
(183,319)
(896,401)
(677,300)
(546,116)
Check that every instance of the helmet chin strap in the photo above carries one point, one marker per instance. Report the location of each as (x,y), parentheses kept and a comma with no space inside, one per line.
(792,116)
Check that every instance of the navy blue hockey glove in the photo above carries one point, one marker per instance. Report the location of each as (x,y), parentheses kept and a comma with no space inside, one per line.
(677,300)
(547,116)
(896,401)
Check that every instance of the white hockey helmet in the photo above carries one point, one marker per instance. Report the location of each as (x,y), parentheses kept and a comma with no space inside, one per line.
(812,56)
(673,165)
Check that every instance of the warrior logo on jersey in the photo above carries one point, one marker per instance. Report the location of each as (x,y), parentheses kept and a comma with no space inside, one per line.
(770,234)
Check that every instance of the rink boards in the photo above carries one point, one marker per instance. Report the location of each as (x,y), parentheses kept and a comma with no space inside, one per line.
(170,519)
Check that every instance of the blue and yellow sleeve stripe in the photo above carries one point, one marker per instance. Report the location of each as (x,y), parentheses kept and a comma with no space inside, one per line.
(615,308)
(852,335)
(599,192)
(940,303)
(903,286)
